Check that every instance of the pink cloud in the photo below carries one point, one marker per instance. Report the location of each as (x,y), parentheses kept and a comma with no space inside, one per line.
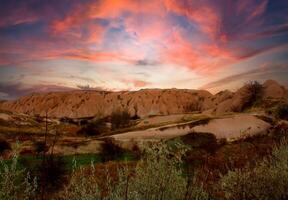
(203,14)
(135,82)
(147,22)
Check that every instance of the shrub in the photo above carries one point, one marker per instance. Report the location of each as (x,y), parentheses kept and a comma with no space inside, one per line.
(111,150)
(268,180)
(120,119)
(253,94)
(281,111)
(40,147)
(157,175)
(81,186)
(16,184)
(51,173)
(95,128)
(205,141)
(192,107)
(4,145)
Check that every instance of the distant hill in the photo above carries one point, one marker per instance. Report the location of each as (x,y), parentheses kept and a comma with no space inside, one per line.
(78,104)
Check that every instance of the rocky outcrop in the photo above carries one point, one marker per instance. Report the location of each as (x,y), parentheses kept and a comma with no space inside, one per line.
(271,90)
(146,102)
(78,104)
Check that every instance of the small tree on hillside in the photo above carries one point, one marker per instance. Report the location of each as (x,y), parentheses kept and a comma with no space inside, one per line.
(4,145)
(94,128)
(120,119)
(282,111)
(253,94)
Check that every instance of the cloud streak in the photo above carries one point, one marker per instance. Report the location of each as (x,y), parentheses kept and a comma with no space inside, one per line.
(254,74)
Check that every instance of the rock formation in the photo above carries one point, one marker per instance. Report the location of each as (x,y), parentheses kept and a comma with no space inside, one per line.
(145,102)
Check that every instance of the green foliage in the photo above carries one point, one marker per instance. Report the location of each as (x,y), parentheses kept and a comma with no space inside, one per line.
(268,180)
(120,119)
(157,175)
(81,187)
(52,173)
(16,184)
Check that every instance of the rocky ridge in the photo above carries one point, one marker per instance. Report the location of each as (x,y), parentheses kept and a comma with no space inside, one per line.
(145,102)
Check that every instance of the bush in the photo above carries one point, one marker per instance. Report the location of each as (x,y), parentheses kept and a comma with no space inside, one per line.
(95,128)
(205,141)
(192,107)
(4,145)
(268,180)
(51,173)
(157,175)
(16,184)
(281,111)
(120,119)
(40,147)
(111,150)
(253,94)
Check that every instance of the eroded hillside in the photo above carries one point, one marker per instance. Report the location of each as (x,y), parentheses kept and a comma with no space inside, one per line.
(79,104)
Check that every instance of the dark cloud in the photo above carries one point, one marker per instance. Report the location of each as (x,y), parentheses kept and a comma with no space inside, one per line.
(145,62)
(88,87)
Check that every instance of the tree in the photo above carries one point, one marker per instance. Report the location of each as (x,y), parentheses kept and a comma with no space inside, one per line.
(95,128)
(120,119)
(253,94)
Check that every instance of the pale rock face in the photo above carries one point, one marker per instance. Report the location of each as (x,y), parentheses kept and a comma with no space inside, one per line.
(77,104)
(143,103)
(273,90)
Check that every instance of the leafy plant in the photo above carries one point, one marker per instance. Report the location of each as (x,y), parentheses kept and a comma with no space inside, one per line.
(120,119)
(111,150)
(281,111)
(40,147)
(95,128)
(192,107)
(268,180)
(4,145)
(252,95)
(15,183)
(158,175)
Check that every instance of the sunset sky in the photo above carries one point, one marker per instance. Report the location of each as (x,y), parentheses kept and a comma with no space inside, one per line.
(59,45)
